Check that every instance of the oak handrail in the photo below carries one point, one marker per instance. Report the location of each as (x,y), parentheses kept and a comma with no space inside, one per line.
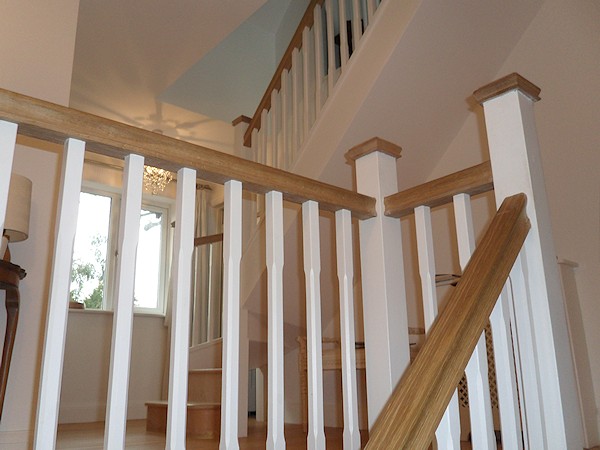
(210,239)
(474,180)
(411,415)
(55,123)
(285,63)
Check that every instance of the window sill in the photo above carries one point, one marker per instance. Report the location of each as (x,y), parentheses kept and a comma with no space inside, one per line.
(107,312)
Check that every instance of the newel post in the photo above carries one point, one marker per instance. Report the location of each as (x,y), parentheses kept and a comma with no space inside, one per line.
(543,338)
(382,273)
(240,125)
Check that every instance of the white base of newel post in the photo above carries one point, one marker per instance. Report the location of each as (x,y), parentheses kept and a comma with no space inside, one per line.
(516,165)
(384,296)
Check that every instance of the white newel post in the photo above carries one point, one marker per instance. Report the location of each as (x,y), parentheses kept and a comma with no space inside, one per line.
(383,287)
(516,166)
(240,125)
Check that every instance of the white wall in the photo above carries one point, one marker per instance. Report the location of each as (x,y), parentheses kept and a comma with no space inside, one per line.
(87,361)
(560,52)
(37,40)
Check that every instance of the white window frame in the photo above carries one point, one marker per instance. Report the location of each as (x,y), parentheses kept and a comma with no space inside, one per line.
(149,202)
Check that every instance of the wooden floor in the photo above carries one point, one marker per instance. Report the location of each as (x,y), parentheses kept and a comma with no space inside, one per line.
(91,436)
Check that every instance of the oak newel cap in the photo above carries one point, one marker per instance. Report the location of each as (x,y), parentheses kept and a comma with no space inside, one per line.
(373,145)
(241,119)
(506,84)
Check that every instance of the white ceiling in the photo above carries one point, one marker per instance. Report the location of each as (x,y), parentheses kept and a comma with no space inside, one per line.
(129,51)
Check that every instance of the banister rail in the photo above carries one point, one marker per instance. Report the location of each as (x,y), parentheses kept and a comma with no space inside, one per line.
(411,415)
(55,123)
(286,61)
(472,181)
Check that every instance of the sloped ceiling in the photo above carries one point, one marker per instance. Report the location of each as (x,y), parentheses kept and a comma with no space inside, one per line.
(129,51)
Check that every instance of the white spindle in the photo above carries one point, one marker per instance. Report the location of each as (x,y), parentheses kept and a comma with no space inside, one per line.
(274,162)
(506,383)
(344,55)
(264,137)
(480,405)
(371,7)
(232,252)
(522,317)
(183,247)
(448,431)
(296,102)
(312,273)
(58,302)
(319,70)
(345,271)
(356,23)
(8,138)
(306,87)
(129,226)
(274,234)
(331,72)
(255,146)
(284,149)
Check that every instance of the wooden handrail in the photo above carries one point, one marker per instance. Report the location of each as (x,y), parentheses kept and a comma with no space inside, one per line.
(203,240)
(411,415)
(55,123)
(474,180)
(285,63)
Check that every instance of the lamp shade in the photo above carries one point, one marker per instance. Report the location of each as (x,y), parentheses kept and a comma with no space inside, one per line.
(16,224)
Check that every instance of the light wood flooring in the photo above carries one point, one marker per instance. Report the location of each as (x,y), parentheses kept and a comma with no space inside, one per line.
(91,437)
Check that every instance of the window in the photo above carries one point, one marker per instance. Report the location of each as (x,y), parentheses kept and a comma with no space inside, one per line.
(93,271)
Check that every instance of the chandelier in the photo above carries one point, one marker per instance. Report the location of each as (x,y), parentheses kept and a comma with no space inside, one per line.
(155,179)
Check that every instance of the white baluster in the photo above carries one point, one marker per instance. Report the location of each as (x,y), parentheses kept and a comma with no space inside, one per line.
(371,7)
(312,272)
(183,247)
(480,404)
(264,137)
(448,431)
(232,252)
(306,87)
(129,227)
(255,146)
(274,236)
(58,302)
(8,138)
(345,270)
(319,70)
(506,383)
(356,23)
(274,128)
(344,55)
(284,149)
(331,72)
(296,103)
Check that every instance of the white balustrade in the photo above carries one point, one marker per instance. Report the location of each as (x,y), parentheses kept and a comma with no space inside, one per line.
(274,256)
(118,381)
(331,72)
(480,404)
(8,138)
(58,302)
(344,53)
(319,63)
(312,270)
(345,271)
(356,23)
(232,252)
(183,246)
(448,431)
(307,92)
(274,134)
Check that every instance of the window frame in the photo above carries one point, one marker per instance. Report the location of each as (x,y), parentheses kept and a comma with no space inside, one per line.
(150,202)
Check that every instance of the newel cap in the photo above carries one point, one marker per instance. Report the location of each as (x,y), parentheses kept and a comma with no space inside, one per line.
(241,119)
(506,84)
(373,145)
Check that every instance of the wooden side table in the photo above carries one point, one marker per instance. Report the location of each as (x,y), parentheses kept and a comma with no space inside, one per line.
(10,275)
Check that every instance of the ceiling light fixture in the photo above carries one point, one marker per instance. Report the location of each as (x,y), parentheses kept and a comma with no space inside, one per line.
(155,179)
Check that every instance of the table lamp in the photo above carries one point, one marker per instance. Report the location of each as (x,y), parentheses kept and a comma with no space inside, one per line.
(16,223)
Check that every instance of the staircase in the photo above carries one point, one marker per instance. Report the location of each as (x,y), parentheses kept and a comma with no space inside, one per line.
(203,406)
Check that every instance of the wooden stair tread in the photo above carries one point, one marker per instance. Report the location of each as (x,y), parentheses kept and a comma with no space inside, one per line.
(190,405)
